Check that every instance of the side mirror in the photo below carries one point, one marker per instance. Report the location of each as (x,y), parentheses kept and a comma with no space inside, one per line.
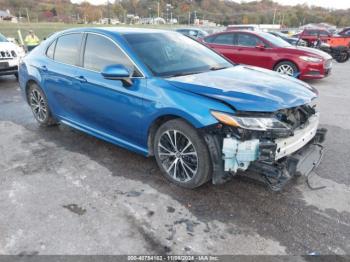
(117,72)
(260,46)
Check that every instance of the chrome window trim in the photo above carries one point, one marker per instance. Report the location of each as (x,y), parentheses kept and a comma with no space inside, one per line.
(245,33)
(81,67)
(56,39)
(125,53)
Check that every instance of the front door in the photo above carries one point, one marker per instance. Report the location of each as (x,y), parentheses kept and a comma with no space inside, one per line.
(249,52)
(109,106)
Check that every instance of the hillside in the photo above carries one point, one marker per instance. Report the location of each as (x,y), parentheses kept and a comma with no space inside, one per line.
(220,11)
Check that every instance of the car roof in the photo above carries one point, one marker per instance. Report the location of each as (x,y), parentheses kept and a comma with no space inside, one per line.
(191,28)
(235,31)
(114,30)
(187,28)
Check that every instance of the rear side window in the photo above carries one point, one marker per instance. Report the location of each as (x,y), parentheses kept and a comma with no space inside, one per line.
(210,39)
(101,52)
(224,39)
(51,50)
(67,49)
(311,32)
(248,40)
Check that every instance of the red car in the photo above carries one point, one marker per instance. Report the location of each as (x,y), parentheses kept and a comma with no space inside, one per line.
(312,35)
(265,50)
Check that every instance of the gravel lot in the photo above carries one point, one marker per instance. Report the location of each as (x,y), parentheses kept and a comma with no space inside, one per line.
(64,192)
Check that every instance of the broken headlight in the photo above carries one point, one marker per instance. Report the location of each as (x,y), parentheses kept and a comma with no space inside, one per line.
(251,123)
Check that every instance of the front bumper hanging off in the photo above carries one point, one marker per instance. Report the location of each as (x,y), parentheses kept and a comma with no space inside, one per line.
(300,163)
(275,162)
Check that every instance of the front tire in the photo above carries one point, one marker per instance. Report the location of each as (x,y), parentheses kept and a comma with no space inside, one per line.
(286,68)
(182,154)
(39,105)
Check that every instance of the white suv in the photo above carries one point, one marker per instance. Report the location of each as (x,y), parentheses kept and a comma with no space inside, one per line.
(10,55)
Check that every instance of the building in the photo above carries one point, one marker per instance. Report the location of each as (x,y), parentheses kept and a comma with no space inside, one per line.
(6,16)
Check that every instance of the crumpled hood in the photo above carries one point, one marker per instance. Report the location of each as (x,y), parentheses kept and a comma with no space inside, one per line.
(248,88)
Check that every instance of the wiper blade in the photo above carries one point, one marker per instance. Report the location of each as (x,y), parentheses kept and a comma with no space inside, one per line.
(184,74)
(215,68)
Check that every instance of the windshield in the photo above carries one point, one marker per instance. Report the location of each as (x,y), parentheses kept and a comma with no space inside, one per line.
(279,34)
(276,41)
(3,39)
(169,54)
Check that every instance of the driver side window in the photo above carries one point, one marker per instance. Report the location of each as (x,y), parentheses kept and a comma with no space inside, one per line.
(101,52)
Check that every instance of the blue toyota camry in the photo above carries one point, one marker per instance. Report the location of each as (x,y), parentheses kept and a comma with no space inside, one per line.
(162,94)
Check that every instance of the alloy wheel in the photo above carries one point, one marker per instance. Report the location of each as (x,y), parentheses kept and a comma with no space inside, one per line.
(178,155)
(38,105)
(285,69)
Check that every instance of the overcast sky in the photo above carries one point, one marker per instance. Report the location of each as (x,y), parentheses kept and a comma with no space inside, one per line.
(339,4)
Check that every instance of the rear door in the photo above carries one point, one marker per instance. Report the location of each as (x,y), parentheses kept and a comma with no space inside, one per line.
(223,44)
(59,73)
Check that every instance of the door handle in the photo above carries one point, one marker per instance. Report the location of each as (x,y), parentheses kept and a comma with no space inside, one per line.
(81,79)
(44,68)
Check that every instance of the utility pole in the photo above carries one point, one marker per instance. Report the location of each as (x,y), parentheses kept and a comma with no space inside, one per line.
(158,9)
(28,15)
(171,17)
(274,16)
(108,13)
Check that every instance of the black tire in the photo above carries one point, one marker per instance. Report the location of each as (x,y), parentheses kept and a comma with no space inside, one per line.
(286,64)
(194,157)
(16,75)
(342,57)
(39,105)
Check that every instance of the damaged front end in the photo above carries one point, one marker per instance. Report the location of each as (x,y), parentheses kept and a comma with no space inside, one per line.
(275,146)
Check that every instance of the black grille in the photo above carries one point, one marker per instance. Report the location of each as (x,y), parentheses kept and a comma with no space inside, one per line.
(7,55)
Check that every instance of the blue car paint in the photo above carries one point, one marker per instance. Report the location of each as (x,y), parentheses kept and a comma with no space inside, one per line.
(124,115)
(249,88)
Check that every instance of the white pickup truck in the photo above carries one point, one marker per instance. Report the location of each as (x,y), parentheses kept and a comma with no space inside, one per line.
(10,55)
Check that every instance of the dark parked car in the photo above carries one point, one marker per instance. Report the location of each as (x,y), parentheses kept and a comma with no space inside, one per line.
(292,40)
(159,93)
(312,35)
(345,32)
(192,32)
(270,52)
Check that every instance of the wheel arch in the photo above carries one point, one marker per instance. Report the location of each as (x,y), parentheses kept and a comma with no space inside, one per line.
(285,60)
(157,123)
(28,84)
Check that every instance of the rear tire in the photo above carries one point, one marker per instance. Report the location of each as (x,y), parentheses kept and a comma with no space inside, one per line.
(342,57)
(182,154)
(39,105)
(286,68)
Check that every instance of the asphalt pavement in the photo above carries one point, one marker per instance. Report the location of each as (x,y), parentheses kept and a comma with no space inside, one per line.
(65,192)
